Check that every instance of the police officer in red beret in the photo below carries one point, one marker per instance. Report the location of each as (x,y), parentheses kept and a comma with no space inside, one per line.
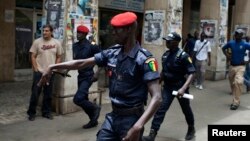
(133,72)
(81,50)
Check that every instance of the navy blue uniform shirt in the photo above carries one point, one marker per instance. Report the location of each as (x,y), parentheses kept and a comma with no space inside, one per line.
(175,65)
(128,74)
(83,50)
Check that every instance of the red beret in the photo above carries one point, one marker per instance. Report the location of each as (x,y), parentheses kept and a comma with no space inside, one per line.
(123,19)
(83,29)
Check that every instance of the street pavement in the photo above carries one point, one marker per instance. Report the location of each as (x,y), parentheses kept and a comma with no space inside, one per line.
(210,106)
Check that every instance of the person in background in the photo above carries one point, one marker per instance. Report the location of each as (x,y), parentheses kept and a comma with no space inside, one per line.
(202,51)
(235,51)
(133,73)
(81,50)
(247,71)
(44,51)
(177,74)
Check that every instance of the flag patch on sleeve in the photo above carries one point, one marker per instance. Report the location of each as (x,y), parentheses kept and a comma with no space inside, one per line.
(152,63)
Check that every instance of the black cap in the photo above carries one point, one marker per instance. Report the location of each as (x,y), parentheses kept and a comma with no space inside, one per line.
(173,36)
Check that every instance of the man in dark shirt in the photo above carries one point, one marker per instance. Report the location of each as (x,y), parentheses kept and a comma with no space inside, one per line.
(177,73)
(133,72)
(81,50)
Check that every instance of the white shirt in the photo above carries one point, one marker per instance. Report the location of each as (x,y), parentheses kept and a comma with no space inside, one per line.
(202,55)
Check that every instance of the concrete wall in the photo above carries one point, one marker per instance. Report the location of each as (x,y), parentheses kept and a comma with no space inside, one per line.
(210,10)
(7,40)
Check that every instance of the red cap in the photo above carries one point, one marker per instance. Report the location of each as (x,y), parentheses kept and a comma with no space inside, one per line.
(83,29)
(123,19)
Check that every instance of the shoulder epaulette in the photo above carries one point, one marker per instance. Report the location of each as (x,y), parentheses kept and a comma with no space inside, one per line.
(145,52)
(115,46)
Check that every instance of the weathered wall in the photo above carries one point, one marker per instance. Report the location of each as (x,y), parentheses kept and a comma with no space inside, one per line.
(7,39)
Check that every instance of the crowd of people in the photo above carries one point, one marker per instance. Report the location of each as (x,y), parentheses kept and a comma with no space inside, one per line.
(133,74)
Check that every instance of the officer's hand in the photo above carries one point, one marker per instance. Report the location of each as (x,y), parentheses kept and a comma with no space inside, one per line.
(45,78)
(180,93)
(132,135)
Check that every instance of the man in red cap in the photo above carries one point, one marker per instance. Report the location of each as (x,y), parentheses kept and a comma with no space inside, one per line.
(133,72)
(81,50)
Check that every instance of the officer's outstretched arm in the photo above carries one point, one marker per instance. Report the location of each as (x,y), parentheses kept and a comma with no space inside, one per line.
(155,92)
(70,65)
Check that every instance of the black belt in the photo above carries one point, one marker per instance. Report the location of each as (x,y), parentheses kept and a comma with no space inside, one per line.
(240,64)
(128,111)
(237,65)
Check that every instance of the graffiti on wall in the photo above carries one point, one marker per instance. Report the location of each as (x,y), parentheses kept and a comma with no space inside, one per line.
(153,27)
(54,13)
(223,22)
(174,16)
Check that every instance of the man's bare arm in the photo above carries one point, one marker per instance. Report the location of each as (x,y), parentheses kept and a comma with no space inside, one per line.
(69,65)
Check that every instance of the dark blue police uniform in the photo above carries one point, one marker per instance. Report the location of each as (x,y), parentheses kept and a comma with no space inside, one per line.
(129,75)
(176,64)
(83,50)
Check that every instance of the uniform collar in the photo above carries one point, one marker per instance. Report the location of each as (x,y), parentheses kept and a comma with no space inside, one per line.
(131,54)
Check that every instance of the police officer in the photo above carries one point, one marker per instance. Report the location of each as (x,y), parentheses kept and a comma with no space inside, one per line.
(81,50)
(177,73)
(133,72)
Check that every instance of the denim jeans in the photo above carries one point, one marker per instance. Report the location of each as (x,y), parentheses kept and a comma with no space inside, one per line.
(167,101)
(35,93)
(115,127)
(247,76)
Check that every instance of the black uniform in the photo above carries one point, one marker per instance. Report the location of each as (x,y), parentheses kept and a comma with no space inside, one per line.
(176,65)
(83,50)
(129,75)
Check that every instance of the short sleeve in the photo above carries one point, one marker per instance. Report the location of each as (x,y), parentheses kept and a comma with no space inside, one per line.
(101,58)
(150,67)
(33,48)
(188,64)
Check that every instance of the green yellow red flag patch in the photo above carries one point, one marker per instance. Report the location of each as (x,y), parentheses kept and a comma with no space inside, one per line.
(152,63)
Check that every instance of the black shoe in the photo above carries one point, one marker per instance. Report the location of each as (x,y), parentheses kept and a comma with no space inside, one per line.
(96,114)
(234,107)
(190,133)
(90,124)
(32,117)
(151,136)
(48,116)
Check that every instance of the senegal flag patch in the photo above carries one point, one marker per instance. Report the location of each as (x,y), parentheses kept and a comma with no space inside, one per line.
(152,63)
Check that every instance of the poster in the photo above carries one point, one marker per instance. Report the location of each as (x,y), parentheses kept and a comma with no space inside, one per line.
(153,27)
(208,27)
(223,22)
(54,12)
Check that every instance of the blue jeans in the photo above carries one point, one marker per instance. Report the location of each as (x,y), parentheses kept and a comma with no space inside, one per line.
(35,93)
(247,76)
(167,101)
(115,127)
(81,97)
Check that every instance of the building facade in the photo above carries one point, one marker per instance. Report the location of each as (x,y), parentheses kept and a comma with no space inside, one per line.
(21,22)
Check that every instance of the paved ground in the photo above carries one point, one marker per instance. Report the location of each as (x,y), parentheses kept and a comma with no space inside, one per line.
(210,106)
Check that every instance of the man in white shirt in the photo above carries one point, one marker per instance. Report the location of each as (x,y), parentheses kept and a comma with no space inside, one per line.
(202,51)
